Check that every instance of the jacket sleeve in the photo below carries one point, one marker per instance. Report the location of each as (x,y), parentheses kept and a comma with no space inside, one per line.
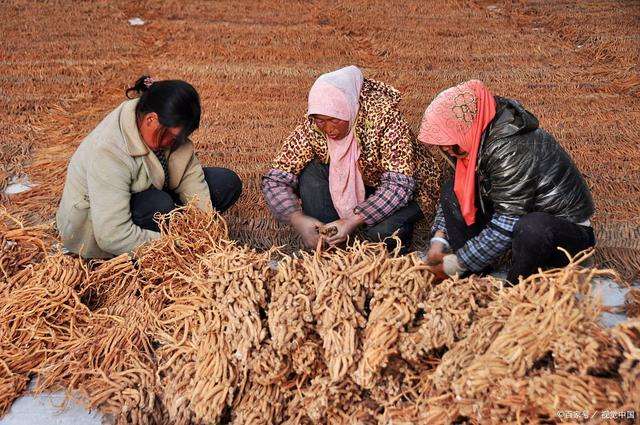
(492,243)
(193,184)
(394,192)
(279,188)
(109,187)
(296,151)
(510,170)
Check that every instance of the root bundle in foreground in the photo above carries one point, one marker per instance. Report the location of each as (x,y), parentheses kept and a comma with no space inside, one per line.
(196,328)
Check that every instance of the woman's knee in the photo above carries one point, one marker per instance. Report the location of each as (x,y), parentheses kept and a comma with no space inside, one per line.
(313,177)
(223,178)
(144,206)
(382,231)
(151,201)
(532,231)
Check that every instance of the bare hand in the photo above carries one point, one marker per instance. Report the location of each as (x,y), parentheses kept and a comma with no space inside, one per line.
(307,227)
(345,227)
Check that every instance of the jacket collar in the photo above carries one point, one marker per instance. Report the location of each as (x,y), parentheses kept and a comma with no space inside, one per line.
(511,119)
(134,143)
(178,158)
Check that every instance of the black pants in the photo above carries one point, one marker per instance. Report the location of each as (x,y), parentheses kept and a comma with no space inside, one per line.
(536,236)
(317,203)
(224,188)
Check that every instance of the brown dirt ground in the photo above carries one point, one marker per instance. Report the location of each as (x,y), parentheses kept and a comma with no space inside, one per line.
(64,65)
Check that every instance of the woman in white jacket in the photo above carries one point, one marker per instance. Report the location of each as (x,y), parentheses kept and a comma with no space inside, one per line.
(137,162)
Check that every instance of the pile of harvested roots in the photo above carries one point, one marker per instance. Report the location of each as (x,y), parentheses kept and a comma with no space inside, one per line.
(195,328)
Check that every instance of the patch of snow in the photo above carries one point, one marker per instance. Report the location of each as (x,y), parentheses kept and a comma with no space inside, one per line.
(136,22)
(18,184)
(49,409)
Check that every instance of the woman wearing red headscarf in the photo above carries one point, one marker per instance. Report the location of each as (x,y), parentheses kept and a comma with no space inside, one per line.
(514,187)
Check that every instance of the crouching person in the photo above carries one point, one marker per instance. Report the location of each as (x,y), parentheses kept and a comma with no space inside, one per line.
(138,162)
(514,188)
(352,163)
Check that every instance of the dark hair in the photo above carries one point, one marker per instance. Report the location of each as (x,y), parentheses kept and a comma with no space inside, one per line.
(176,102)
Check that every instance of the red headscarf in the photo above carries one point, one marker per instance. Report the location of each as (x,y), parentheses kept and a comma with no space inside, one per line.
(459,116)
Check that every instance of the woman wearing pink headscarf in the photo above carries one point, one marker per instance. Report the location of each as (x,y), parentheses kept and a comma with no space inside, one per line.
(514,187)
(352,163)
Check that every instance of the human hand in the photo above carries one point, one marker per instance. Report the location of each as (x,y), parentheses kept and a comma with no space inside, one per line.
(435,253)
(307,227)
(438,248)
(438,271)
(344,227)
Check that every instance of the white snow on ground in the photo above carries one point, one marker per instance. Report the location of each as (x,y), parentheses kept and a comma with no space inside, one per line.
(49,409)
(45,409)
(611,295)
(18,184)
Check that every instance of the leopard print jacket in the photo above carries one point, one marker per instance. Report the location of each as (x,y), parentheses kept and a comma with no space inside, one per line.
(386,141)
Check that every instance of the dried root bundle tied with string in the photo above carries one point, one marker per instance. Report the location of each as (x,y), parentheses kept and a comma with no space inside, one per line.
(448,312)
(290,317)
(454,361)
(628,336)
(190,342)
(325,401)
(238,278)
(12,386)
(264,397)
(551,392)
(632,302)
(413,413)
(538,397)
(399,384)
(587,348)
(536,340)
(544,308)
(110,282)
(398,293)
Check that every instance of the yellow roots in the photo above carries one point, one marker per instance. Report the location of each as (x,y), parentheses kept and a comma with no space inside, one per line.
(195,328)
(632,302)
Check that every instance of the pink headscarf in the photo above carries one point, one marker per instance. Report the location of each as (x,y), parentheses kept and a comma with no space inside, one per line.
(459,116)
(336,95)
